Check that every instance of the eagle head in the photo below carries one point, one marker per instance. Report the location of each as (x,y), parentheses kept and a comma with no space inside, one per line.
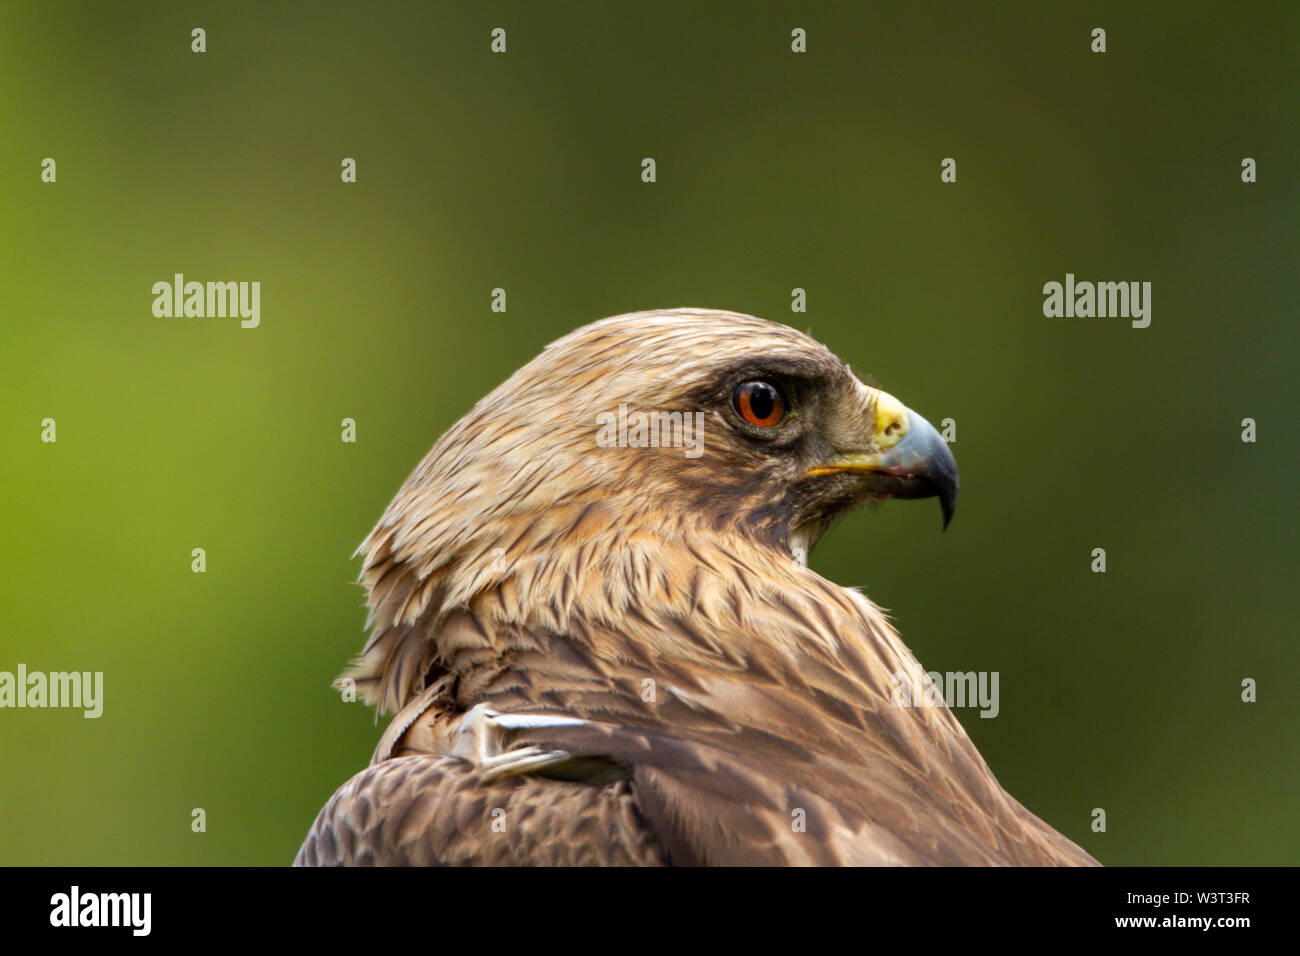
(631,434)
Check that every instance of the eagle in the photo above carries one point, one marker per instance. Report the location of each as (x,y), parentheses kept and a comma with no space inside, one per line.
(603,645)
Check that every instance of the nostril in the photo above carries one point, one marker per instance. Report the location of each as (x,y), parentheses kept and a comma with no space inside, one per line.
(894,431)
(891,420)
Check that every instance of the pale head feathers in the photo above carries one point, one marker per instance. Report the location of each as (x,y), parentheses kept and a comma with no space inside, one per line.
(519,502)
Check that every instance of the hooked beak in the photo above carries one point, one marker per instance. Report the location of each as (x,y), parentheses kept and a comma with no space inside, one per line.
(910,459)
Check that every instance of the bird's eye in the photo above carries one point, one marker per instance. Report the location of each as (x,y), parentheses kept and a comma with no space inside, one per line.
(759,403)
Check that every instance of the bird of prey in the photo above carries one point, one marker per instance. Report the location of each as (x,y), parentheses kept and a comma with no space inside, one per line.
(603,644)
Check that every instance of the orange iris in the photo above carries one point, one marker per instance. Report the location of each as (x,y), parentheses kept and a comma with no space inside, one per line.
(759,403)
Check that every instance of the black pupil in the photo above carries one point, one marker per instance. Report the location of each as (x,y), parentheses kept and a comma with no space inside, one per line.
(762,399)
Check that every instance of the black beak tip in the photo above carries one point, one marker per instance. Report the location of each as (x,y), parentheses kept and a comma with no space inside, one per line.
(948,502)
(940,468)
(946,485)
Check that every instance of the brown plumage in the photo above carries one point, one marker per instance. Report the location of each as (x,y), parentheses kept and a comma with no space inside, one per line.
(614,655)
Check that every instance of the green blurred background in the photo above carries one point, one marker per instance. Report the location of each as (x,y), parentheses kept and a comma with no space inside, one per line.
(522,171)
